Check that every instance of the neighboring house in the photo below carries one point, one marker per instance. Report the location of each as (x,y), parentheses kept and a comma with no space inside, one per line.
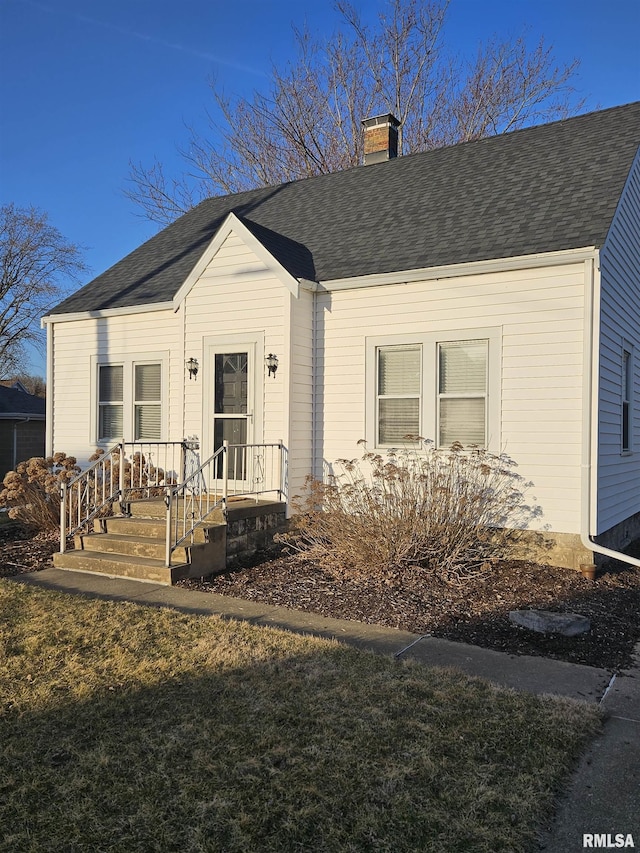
(488,292)
(22,426)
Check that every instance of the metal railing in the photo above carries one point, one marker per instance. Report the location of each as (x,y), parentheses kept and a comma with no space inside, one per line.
(234,469)
(171,470)
(126,471)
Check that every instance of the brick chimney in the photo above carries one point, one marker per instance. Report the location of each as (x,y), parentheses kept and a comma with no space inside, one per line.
(380,138)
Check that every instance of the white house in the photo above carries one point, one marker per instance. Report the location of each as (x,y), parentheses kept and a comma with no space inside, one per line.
(488,292)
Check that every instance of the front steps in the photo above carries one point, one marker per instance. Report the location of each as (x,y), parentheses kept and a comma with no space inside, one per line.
(133,545)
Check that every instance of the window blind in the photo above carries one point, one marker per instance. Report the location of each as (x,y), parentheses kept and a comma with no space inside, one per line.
(110,408)
(462,392)
(399,383)
(148,405)
(463,367)
(399,371)
(111,383)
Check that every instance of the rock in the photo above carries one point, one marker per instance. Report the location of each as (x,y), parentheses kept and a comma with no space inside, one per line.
(547,622)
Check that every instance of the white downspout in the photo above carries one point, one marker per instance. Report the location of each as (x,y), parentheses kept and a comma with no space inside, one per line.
(590,415)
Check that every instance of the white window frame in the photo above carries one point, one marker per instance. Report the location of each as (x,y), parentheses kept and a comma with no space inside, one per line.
(626,401)
(429,341)
(128,362)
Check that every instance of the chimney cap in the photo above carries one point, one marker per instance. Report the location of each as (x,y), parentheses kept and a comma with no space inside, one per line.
(384,118)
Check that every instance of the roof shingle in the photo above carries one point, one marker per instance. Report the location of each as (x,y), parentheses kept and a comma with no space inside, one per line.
(539,189)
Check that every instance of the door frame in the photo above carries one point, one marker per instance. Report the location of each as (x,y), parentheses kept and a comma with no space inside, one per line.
(253,344)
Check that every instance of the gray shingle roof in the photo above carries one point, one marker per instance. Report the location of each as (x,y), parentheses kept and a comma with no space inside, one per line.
(21,404)
(540,189)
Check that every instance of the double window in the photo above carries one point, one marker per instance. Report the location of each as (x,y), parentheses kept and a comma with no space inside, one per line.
(442,388)
(129,401)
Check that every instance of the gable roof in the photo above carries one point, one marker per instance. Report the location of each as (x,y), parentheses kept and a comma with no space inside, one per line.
(540,189)
(20,404)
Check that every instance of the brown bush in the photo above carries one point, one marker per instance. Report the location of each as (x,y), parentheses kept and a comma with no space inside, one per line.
(32,492)
(449,512)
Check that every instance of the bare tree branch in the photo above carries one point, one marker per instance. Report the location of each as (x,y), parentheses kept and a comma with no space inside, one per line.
(308,123)
(37,267)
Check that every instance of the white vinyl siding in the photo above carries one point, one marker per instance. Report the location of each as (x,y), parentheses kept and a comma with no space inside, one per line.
(301,424)
(238,301)
(398,394)
(79,346)
(533,320)
(619,469)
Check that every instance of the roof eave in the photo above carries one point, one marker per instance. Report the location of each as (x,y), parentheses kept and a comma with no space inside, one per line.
(542,259)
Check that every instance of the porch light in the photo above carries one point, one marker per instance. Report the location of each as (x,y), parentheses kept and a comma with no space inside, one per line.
(271,361)
(192,367)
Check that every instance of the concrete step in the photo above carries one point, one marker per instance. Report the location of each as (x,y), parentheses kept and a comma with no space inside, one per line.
(121,565)
(152,528)
(134,546)
(156,508)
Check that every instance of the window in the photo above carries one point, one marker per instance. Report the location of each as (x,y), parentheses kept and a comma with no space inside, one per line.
(398,397)
(627,391)
(148,402)
(110,402)
(462,392)
(128,398)
(442,386)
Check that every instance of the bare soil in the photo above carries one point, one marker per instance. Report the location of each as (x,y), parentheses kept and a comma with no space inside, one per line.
(476,613)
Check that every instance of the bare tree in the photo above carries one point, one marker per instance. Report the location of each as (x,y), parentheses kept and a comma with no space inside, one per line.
(308,123)
(35,260)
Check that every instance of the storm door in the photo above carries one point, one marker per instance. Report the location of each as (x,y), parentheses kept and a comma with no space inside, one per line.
(232,415)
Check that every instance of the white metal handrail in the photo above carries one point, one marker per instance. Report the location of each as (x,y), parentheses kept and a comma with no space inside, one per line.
(128,470)
(234,469)
(191,491)
(87,494)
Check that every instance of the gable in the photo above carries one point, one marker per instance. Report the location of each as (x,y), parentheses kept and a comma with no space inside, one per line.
(252,264)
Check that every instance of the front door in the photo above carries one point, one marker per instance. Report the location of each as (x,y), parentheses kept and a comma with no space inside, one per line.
(232,419)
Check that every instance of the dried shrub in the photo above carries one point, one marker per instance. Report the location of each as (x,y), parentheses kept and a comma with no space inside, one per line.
(452,513)
(32,492)
(141,478)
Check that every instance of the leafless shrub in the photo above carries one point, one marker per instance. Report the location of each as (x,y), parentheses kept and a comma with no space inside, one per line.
(452,513)
(32,492)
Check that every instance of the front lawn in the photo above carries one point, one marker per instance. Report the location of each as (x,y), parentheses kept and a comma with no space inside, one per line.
(130,729)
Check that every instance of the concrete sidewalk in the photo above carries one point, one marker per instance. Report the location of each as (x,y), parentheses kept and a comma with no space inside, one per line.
(604,796)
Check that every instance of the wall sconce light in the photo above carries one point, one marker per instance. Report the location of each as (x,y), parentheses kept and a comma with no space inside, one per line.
(192,367)
(271,361)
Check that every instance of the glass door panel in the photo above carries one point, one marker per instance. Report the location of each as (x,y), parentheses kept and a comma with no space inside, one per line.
(231,414)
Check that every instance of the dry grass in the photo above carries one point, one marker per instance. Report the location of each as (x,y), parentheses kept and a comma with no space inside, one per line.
(131,729)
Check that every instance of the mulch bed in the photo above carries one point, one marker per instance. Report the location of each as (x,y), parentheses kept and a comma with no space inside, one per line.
(23,551)
(476,613)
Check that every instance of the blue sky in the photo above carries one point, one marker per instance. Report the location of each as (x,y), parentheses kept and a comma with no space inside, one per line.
(87,86)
